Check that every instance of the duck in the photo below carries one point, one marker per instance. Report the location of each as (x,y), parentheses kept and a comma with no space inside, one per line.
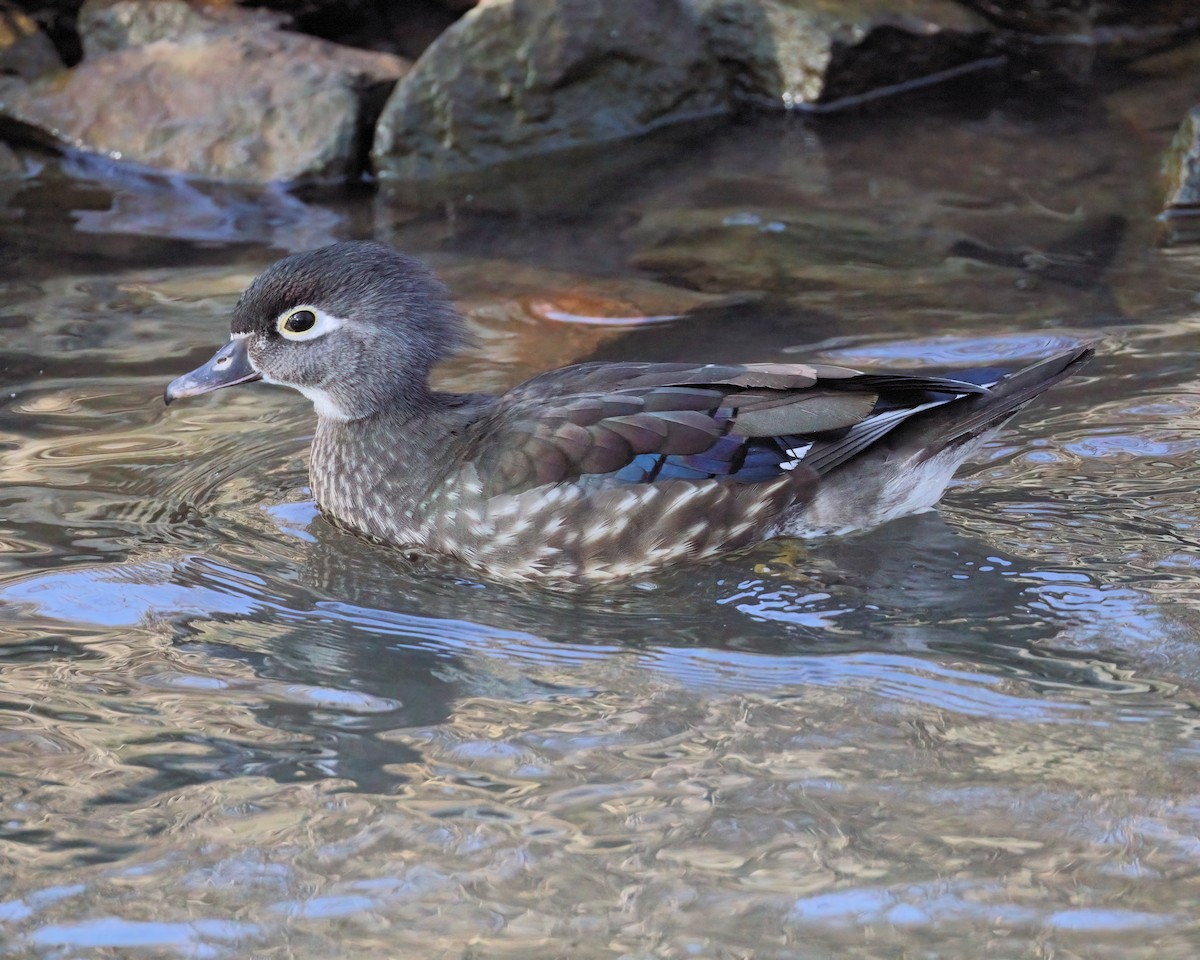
(595,472)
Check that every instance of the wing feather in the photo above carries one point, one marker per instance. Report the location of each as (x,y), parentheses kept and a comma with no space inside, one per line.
(643,432)
(802,414)
(608,453)
(649,422)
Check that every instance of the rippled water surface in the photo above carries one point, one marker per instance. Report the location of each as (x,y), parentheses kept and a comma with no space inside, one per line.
(229,730)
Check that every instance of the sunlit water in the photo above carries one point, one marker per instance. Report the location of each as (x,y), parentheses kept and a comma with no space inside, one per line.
(229,730)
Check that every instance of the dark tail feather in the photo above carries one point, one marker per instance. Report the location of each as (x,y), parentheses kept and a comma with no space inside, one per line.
(966,419)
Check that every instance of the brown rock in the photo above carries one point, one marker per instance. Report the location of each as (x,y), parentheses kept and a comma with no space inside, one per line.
(514,78)
(211,99)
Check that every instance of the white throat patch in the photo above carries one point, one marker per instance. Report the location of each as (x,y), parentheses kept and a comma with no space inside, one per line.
(322,402)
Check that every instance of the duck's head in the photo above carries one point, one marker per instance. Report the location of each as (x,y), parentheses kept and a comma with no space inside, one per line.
(355,327)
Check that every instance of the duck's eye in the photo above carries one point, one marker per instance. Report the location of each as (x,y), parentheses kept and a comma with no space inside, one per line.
(299,321)
(305,323)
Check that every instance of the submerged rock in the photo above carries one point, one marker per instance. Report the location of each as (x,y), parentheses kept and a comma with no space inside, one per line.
(1181,168)
(876,216)
(814,53)
(514,78)
(172,89)
(1077,258)
(727,249)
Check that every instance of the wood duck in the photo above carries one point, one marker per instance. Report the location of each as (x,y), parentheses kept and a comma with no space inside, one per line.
(597,471)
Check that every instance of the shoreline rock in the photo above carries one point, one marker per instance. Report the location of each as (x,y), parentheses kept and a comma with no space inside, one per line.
(223,93)
(1181,171)
(806,55)
(516,78)
(214,98)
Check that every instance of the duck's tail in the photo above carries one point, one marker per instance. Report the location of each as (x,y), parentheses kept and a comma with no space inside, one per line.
(976,416)
(908,470)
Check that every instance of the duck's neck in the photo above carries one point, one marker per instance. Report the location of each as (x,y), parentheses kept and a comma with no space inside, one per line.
(395,456)
(407,401)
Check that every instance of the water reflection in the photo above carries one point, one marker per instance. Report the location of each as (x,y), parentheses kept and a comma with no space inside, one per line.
(873,612)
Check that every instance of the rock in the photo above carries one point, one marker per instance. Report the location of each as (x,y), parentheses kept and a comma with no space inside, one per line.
(210,98)
(25,51)
(514,78)
(1094,20)
(811,54)
(106,26)
(1078,258)
(1181,169)
(1152,104)
(1087,32)
(10,163)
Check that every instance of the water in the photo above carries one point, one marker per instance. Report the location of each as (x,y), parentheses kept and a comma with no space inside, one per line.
(229,730)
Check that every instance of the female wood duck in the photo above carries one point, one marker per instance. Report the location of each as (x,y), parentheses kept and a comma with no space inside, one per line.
(597,471)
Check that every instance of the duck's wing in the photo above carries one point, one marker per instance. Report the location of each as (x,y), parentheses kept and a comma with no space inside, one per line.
(605,424)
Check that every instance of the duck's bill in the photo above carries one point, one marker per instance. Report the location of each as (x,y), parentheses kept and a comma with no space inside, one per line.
(229,365)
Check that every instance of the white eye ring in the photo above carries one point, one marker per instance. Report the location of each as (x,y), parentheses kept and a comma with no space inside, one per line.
(305,322)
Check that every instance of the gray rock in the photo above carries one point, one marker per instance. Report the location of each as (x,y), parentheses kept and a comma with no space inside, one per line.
(1095,20)
(514,78)
(106,26)
(25,51)
(1181,168)
(1070,37)
(211,99)
(804,54)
